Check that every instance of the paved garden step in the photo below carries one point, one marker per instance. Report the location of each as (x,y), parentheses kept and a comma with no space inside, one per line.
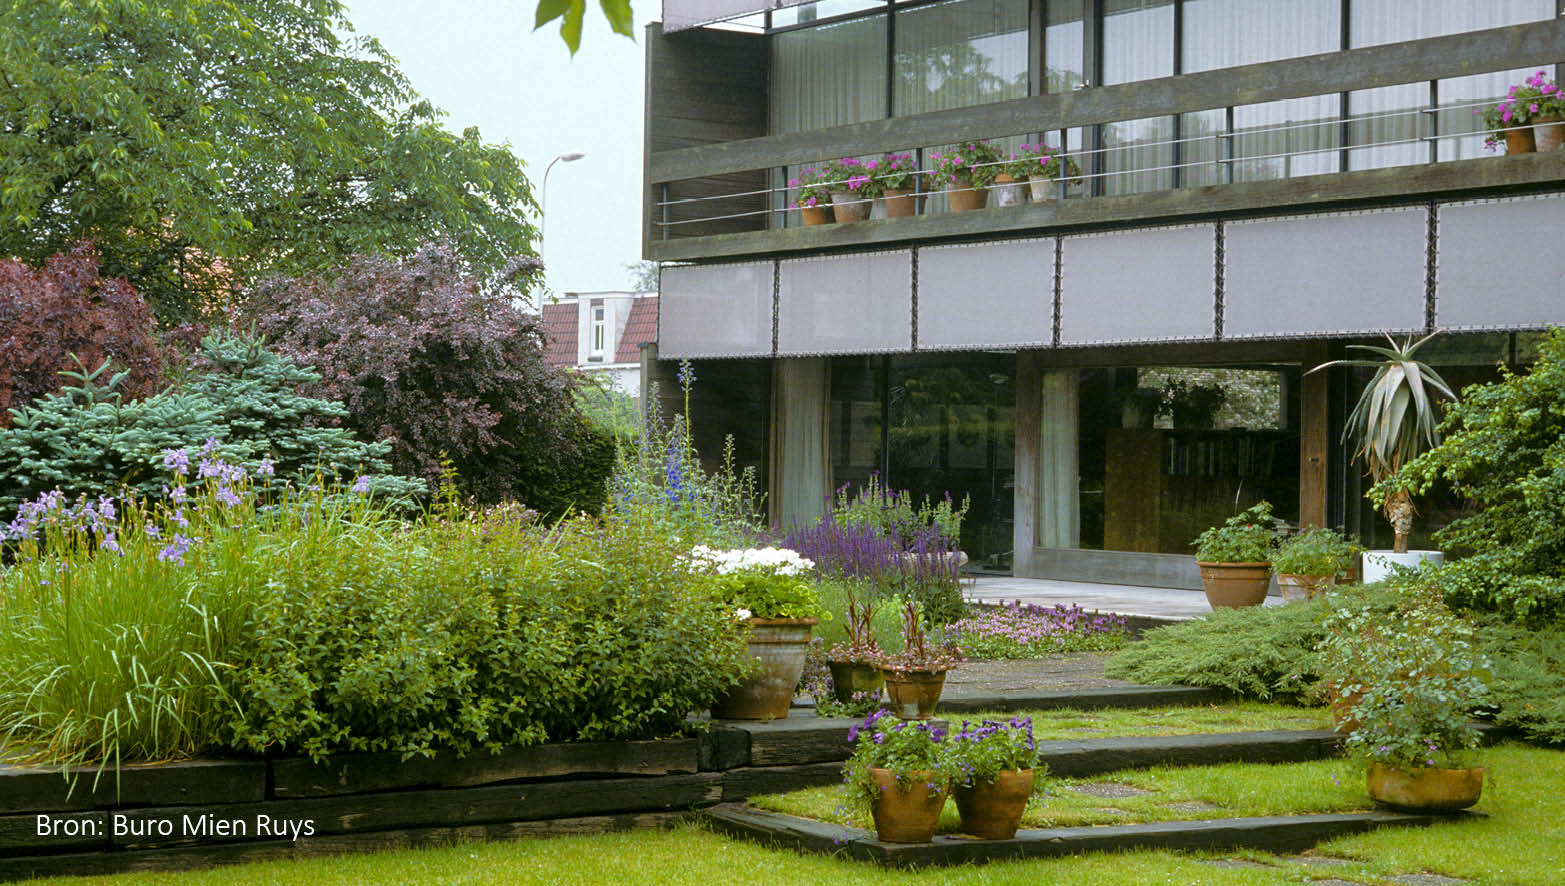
(1273,834)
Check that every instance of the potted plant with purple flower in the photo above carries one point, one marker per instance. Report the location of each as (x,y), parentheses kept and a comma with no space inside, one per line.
(1511,119)
(965,172)
(997,767)
(813,199)
(898,175)
(900,773)
(1041,166)
(1549,123)
(916,675)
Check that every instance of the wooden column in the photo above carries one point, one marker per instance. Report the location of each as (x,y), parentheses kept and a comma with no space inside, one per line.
(1314,436)
(1029,427)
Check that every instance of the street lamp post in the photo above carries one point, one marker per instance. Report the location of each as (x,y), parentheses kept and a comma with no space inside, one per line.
(543,199)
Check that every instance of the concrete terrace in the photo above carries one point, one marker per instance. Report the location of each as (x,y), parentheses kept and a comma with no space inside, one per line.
(1160,603)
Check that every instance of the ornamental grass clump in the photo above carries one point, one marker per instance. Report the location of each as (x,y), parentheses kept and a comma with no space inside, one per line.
(1021,630)
(920,651)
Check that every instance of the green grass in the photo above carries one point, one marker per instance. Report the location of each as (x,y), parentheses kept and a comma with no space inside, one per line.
(1238,716)
(1234,790)
(1521,843)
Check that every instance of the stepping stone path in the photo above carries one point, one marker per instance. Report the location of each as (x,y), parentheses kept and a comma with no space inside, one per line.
(1109,790)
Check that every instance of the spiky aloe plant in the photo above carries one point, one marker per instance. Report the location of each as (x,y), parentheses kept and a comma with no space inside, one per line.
(1395,420)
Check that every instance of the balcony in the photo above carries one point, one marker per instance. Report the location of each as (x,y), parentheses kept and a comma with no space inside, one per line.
(711,174)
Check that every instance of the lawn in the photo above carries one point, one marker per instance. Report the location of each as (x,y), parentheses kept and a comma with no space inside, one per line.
(1520,843)
(1067,724)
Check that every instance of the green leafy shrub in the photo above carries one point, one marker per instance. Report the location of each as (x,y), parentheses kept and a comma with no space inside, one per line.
(87,439)
(1248,537)
(760,582)
(1414,674)
(1503,452)
(1528,688)
(1315,552)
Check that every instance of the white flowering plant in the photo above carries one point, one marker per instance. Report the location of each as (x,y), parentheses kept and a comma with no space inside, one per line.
(761,582)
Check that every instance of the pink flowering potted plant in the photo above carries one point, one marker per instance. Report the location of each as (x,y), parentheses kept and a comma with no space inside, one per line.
(854,188)
(1549,125)
(965,173)
(1042,166)
(1511,120)
(813,195)
(898,175)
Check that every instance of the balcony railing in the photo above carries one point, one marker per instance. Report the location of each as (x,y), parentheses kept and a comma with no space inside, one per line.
(680,218)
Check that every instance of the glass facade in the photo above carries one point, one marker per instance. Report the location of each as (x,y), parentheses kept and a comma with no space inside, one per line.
(1165,452)
(933,425)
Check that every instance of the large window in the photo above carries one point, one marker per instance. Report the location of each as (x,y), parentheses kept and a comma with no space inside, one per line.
(1138,44)
(829,75)
(960,53)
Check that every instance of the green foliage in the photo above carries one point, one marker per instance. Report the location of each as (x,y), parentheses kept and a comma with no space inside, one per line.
(920,651)
(974,161)
(1315,551)
(1503,452)
(885,623)
(893,514)
(611,412)
(87,440)
(571,13)
(1414,672)
(560,487)
(759,582)
(1247,537)
(205,145)
(1528,689)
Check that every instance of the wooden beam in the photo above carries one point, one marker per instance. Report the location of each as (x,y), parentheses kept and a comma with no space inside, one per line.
(1456,55)
(1400,184)
(1314,421)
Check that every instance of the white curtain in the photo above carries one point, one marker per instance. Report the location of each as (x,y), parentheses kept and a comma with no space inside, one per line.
(1138,44)
(801,451)
(1059,497)
(1393,113)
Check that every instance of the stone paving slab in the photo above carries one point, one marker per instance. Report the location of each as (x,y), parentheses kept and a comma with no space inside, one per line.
(1163,603)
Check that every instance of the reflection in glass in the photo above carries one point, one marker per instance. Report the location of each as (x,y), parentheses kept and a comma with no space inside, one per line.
(829,76)
(1138,40)
(1063,66)
(1166,452)
(1138,155)
(959,53)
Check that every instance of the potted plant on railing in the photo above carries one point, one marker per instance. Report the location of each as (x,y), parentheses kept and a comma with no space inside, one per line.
(997,769)
(1410,676)
(901,774)
(1308,563)
(898,174)
(1394,421)
(1549,119)
(965,172)
(853,189)
(1511,120)
(774,601)
(813,199)
(1041,166)
(1235,558)
(855,674)
(916,675)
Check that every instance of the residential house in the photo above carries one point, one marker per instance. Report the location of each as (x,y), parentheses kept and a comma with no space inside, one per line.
(601,333)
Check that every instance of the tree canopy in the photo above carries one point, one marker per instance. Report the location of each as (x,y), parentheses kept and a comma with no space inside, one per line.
(203,144)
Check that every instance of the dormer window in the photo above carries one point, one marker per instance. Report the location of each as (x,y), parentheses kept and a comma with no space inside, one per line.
(600,333)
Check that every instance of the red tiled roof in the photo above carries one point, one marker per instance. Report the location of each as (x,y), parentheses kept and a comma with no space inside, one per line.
(641,326)
(559,334)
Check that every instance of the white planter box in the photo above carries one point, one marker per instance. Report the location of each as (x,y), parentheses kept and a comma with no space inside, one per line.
(1378,564)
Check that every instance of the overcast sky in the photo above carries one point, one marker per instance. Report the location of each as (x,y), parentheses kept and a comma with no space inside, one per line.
(481,61)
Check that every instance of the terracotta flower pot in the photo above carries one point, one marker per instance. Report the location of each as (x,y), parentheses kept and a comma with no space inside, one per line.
(1008,191)
(964,196)
(1301,587)
(781,644)
(814,215)
(1425,790)
(907,816)
(849,678)
(900,202)
(849,207)
(1547,133)
(1519,140)
(1232,585)
(992,810)
(914,694)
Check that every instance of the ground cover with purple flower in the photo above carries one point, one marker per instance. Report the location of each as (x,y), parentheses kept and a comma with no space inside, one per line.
(1021,630)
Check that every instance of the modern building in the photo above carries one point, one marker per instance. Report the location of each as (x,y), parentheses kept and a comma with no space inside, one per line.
(1109,371)
(601,333)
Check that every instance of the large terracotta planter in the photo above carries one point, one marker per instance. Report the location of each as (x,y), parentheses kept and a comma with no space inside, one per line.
(900,202)
(781,644)
(906,816)
(850,678)
(1547,133)
(1425,790)
(814,215)
(1302,587)
(849,207)
(992,810)
(1519,140)
(964,196)
(1232,585)
(914,694)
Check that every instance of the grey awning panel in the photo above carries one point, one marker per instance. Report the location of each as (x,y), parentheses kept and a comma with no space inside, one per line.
(716,310)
